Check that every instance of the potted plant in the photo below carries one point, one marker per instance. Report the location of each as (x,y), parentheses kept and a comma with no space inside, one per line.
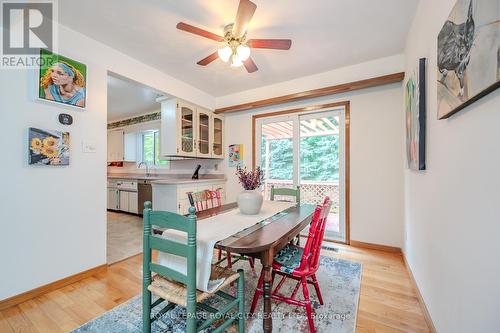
(250,200)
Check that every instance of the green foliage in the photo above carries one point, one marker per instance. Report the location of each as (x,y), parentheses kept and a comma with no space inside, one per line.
(157,150)
(151,148)
(148,147)
(319,158)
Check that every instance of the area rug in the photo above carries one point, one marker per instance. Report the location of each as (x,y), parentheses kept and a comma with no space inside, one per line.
(339,281)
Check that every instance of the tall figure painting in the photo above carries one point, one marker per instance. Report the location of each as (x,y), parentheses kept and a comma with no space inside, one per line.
(415,117)
(468,55)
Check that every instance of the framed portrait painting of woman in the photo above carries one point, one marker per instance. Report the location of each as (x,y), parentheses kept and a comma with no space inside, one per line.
(62,80)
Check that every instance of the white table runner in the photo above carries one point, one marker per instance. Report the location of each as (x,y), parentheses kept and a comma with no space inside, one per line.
(210,231)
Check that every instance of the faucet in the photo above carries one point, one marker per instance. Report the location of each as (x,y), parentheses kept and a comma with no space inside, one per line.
(147,168)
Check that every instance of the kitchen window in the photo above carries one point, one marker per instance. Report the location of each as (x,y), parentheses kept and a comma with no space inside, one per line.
(150,146)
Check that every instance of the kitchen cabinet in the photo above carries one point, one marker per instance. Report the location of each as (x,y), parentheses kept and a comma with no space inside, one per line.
(203,138)
(188,130)
(174,197)
(113,199)
(122,146)
(217,134)
(130,147)
(115,146)
(124,201)
(128,202)
(133,201)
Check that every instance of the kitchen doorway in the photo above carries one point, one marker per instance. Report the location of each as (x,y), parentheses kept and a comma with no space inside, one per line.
(133,158)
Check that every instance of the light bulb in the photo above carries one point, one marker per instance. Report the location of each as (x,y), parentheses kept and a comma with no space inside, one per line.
(243,52)
(225,53)
(235,61)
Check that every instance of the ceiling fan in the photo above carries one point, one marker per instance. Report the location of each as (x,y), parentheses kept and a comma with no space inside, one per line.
(236,47)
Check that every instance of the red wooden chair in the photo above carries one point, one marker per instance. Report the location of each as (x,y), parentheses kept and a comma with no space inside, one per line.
(209,199)
(299,264)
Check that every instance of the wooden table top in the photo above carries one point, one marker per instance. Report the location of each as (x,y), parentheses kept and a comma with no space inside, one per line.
(275,230)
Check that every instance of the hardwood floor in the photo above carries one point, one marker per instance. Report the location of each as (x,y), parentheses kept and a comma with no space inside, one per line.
(388,302)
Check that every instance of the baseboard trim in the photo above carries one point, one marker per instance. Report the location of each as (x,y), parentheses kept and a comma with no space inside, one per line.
(372,246)
(428,319)
(17,299)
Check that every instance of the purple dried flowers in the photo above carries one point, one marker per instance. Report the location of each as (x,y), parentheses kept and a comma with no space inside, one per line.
(251,179)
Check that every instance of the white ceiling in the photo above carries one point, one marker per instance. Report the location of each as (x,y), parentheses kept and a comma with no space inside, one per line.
(326,34)
(128,99)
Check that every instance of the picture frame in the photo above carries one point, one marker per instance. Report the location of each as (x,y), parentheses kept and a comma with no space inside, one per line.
(62,80)
(415,117)
(468,55)
(235,155)
(48,147)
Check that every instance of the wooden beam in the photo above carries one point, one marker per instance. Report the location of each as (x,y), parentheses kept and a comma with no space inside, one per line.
(331,90)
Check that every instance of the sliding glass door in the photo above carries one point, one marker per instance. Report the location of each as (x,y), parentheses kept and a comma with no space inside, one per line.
(306,150)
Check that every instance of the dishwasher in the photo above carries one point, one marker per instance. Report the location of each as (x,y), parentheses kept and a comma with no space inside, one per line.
(145,193)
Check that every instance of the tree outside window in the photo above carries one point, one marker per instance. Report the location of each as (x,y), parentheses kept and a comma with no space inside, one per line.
(151,148)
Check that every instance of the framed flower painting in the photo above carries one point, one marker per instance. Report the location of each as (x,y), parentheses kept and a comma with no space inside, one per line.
(48,147)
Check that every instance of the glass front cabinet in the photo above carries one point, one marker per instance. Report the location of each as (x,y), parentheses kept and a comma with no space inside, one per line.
(190,131)
(203,140)
(217,136)
(186,129)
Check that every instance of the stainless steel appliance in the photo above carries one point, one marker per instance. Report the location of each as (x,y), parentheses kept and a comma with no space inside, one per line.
(145,193)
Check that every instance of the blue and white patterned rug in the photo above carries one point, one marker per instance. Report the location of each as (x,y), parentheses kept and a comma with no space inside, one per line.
(339,282)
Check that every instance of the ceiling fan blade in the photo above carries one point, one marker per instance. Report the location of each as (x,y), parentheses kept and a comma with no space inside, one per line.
(200,32)
(250,65)
(209,59)
(246,8)
(277,44)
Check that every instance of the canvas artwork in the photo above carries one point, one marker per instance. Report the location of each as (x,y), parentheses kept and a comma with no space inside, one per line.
(235,155)
(48,147)
(468,58)
(415,115)
(62,80)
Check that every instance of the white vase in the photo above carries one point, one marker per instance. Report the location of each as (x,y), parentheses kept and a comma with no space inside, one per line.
(250,202)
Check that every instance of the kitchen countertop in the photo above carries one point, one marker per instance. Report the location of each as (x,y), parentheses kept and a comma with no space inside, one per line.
(168,179)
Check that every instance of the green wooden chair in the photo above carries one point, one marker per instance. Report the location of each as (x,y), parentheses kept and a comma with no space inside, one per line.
(174,288)
(287,192)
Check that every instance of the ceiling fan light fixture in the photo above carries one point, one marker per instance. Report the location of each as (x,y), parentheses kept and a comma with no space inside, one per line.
(243,52)
(236,61)
(225,53)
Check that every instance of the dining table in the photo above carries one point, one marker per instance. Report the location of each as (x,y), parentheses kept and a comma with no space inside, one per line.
(263,240)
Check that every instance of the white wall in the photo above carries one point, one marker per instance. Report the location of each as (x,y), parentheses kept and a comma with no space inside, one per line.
(452,220)
(376,145)
(53,219)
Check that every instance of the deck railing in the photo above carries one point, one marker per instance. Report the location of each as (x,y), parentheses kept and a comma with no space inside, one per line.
(310,191)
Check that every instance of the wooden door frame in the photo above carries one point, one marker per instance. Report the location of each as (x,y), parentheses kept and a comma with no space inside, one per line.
(347,144)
